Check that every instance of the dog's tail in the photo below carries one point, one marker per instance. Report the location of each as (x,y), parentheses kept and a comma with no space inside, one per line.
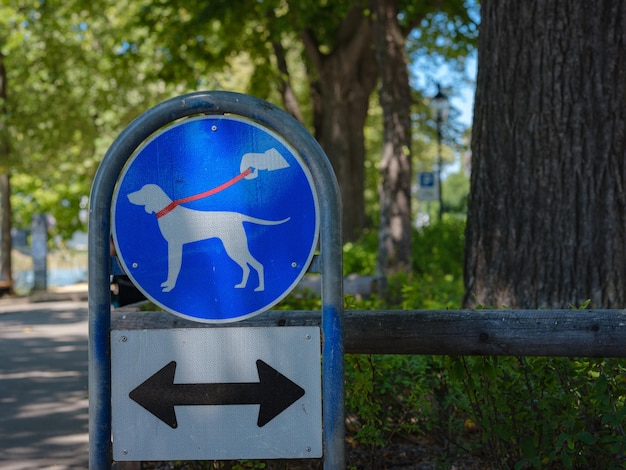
(254,220)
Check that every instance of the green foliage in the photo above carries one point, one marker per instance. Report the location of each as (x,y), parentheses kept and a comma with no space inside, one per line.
(458,19)
(530,412)
(438,249)
(582,306)
(360,257)
(301,300)
(70,91)
(437,281)
(395,395)
(455,190)
(391,396)
(538,412)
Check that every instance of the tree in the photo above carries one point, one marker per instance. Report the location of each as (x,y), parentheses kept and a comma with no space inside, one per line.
(335,41)
(71,90)
(394,22)
(394,189)
(6,270)
(78,72)
(332,41)
(344,77)
(547,209)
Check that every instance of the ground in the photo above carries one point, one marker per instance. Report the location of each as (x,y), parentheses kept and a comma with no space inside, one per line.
(404,454)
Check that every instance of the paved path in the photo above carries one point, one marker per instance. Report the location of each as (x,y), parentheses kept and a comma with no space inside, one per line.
(43,385)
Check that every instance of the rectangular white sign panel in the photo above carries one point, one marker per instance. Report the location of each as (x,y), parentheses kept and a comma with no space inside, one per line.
(216,394)
(427,186)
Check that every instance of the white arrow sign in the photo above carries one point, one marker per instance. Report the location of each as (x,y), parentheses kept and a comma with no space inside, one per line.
(216,393)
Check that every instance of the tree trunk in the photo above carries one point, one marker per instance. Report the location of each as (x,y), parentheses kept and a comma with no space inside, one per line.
(547,209)
(394,190)
(286,90)
(6,271)
(344,81)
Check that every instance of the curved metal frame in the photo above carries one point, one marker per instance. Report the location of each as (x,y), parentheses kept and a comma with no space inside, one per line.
(274,118)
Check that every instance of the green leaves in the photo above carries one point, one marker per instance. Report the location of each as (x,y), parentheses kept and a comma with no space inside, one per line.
(69,92)
(543,412)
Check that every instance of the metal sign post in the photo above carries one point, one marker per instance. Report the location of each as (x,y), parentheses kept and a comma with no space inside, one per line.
(288,155)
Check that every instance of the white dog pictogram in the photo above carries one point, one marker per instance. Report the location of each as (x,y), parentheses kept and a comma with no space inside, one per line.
(181,225)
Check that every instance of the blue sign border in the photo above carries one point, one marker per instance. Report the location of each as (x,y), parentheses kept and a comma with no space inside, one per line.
(187,158)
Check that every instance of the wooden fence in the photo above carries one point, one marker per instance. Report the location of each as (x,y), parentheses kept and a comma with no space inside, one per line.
(568,333)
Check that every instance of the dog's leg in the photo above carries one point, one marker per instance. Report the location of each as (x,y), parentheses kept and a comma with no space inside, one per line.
(174,262)
(237,249)
(244,277)
(258,267)
(246,260)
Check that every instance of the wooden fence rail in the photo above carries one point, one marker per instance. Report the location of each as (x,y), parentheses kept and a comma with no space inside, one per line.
(568,333)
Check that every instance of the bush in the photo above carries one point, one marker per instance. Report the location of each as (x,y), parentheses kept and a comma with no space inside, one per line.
(438,249)
(396,395)
(519,413)
(360,257)
(541,412)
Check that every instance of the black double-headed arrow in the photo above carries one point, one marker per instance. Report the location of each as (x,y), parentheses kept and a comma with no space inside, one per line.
(273,392)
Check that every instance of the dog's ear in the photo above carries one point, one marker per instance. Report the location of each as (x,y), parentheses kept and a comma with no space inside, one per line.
(150,209)
(150,204)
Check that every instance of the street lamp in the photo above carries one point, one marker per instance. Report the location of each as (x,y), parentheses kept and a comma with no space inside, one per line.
(440,107)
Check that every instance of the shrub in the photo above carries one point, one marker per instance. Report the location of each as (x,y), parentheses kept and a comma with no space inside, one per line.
(542,412)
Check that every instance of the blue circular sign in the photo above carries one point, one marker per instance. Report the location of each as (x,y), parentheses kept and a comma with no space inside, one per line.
(215,218)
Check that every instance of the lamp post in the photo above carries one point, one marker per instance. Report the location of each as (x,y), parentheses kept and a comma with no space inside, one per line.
(440,107)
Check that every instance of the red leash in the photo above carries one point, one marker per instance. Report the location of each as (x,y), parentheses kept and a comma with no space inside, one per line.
(172,205)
